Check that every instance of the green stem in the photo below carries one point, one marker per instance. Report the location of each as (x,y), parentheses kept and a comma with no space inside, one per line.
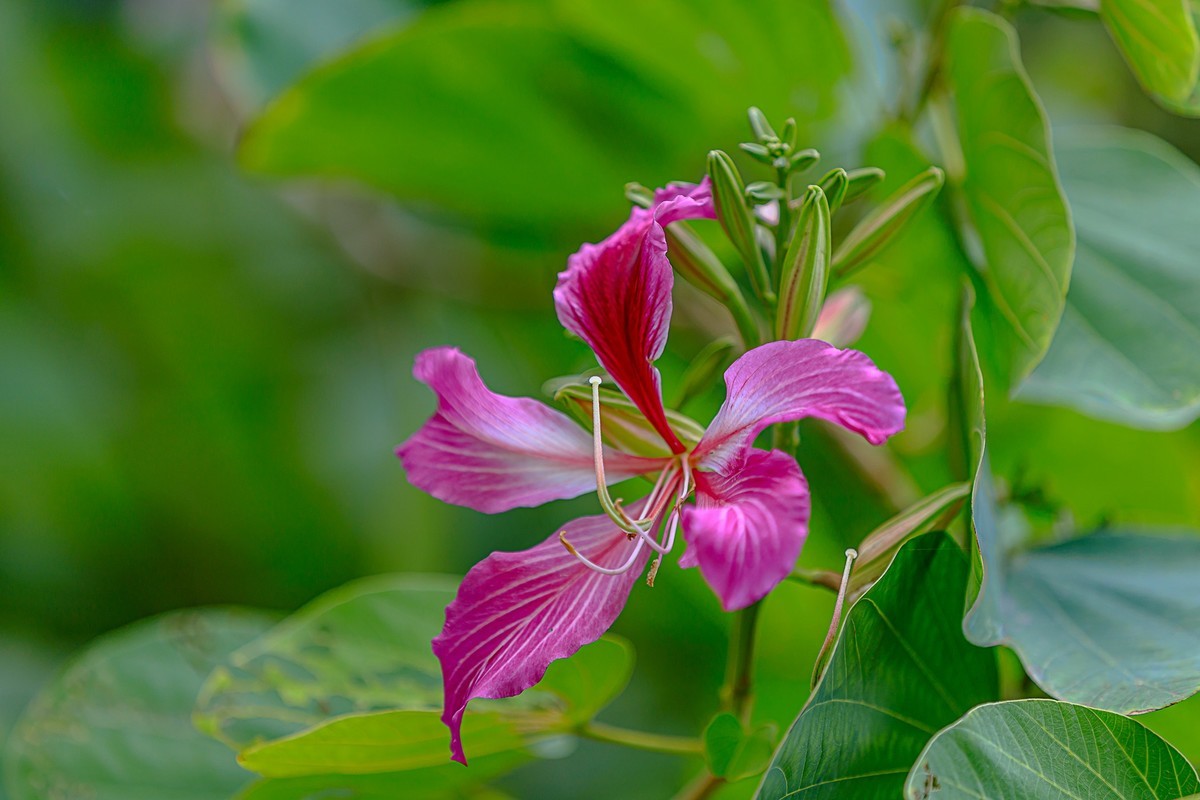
(701,788)
(744,319)
(937,51)
(738,692)
(640,740)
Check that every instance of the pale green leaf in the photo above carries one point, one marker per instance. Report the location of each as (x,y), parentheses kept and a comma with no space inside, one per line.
(1010,187)
(1046,750)
(116,723)
(1128,349)
(1158,39)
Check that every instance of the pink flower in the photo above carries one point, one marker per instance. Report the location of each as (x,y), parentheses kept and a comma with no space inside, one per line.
(517,612)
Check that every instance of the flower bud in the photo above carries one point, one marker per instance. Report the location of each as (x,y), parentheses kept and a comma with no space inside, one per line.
(729,200)
(803,159)
(805,268)
(880,226)
(843,317)
(834,185)
(758,123)
(862,180)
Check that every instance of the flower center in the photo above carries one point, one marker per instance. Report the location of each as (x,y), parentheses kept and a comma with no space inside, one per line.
(673,486)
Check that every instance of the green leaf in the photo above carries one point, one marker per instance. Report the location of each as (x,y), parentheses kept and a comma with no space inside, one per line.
(260,46)
(536,114)
(1127,349)
(116,723)
(732,752)
(1110,620)
(1158,39)
(1045,750)
(349,685)
(900,671)
(1010,187)
(361,647)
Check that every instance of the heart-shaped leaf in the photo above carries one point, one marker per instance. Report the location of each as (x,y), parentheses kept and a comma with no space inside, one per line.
(1128,348)
(901,669)
(1046,750)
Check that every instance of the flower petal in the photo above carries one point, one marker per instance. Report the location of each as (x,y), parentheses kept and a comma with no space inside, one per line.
(516,612)
(784,381)
(492,453)
(616,296)
(746,530)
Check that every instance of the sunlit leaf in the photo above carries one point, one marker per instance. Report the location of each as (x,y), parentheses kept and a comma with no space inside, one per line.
(349,686)
(535,114)
(1010,187)
(1158,39)
(1128,348)
(1046,750)
(116,723)
(900,671)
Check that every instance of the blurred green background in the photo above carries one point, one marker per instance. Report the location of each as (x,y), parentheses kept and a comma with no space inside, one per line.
(203,372)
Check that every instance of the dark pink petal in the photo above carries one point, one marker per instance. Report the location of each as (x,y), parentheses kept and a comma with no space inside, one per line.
(517,612)
(746,529)
(784,381)
(616,296)
(492,453)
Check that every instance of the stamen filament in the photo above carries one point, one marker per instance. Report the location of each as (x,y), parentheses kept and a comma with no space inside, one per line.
(614,512)
(637,548)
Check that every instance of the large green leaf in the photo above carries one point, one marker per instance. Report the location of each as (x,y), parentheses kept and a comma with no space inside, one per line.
(1128,349)
(901,670)
(1010,187)
(348,687)
(534,114)
(1046,750)
(1158,39)
(1110,620)
(259,46)
(115,725)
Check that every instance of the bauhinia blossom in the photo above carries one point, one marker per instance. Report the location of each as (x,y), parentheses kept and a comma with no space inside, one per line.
(517,612)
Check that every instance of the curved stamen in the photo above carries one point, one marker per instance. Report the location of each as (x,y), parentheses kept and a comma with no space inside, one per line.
(637,548)
(614,512)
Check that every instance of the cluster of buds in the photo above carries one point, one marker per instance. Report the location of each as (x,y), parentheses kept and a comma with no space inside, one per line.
(783,235)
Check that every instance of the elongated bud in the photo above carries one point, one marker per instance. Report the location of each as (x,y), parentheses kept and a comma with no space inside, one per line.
(879,227)
(700,267)
(704,370)
(758,123)
(843,317)
(788,134)
(801,160)
(834,185)
(861,181)
(729,198)
(759,152)
(805,269)
(639,195)
(624,426)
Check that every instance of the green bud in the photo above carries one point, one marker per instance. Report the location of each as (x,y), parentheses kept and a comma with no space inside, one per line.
(639,195)
(759,152)
(862,180)
(729,199)
(788,137)
(622,425)
(700,267)
(758,123)
(834,185)
(705,369)
(763,191)
(803,159)
(879,227)
(805,268)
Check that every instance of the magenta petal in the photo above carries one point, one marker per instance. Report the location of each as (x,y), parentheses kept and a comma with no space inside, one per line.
(616,296)
(517,612)
(784,381)
(746,530)
(492,453)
